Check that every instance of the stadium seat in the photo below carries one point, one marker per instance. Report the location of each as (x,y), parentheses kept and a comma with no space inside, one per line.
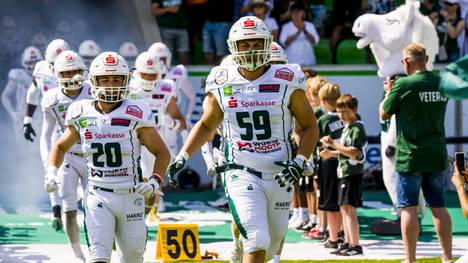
(323,52)
(348,53)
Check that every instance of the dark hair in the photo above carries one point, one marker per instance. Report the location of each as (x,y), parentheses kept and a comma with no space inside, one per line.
(347,101)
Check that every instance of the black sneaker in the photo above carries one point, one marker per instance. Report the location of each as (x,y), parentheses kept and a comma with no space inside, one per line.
(307,227)
(352,251)
(331,244)
(341,247)
(325,237)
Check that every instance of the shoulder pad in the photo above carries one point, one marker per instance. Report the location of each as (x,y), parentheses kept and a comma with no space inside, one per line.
(76,109)
(167,85)
(42,68)
(217,77)
(289,74)
(50,99)
(87,90)
(178,72)
(17,74)
(136,108)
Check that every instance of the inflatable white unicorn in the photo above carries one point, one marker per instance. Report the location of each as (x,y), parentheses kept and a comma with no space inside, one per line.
(389,34)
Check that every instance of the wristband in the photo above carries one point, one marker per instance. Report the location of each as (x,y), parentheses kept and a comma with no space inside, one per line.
(51,169)
(27,120)
(157,177)
(184,155)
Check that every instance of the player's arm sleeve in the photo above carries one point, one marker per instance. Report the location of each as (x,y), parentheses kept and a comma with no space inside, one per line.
(33,94)
(48,125)
(359,142)
(189,91)
(8,93)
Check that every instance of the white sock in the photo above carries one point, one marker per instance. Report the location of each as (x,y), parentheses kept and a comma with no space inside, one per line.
(313,219)
(295,213)
(304,213)
(77,250)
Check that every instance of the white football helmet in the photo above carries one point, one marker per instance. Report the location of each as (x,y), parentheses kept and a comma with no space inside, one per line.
(54,48)
(277,54)
(250,27)
(31,55)
(148,64)
(160,50)
(129,52)
(66,61)
(88,50)
(109,64)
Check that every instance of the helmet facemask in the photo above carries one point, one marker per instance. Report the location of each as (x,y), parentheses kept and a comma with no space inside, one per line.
(73,83)
(110,94)
(146,85)
(250,60)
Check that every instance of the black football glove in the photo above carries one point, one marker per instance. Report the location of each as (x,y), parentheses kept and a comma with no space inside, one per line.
(175,167)
(29,132)
(293,170)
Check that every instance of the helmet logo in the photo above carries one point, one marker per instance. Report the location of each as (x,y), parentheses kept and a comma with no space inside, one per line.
(149,62)
(273,47)
(58,50)
(110,60)
(91,47)
(248,23)
(69,57)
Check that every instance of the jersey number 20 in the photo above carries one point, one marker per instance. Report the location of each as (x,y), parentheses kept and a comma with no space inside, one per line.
(113,154)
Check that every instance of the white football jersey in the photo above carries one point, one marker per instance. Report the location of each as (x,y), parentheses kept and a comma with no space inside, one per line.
(110,141)
(257,120)
(157,99)
(56,103)
(44,75)
(22,80)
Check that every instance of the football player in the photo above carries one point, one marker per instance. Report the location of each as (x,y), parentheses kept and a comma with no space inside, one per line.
(129,52)
(183,86)
(258,103)
(88,50)
(44,80)
(159,93)
(112,131)
(69,69)
(14,93)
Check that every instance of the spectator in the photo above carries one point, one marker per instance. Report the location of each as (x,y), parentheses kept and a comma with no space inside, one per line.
(459,180)
(351,155)
(216,30)
(246,9)
(318,11)
(379,7)
(196,17)
(170,16)
(260,9)
(329,125)
(343,16)
(421,154)
(452,25)
(281,11)
(298,37)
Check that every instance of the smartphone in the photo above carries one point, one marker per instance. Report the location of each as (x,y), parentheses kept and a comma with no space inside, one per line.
(460,161)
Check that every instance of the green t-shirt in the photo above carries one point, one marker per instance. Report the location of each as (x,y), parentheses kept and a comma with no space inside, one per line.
(353,136)
(420,115)
(169,20)
(318,111)
(329,124)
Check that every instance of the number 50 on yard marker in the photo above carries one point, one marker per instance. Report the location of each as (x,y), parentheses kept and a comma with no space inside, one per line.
(178,242)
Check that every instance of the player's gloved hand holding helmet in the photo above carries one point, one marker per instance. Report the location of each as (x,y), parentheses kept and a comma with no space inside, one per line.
(277,54)
(88,50)
(250,27)
(148,189)
(69,61)
(146,63)
(176,166)
(30,56)
(161,51)
(109,64)
(54,48)
(293,170)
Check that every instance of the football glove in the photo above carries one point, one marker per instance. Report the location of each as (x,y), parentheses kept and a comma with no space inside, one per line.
(149,188)
(50,180)
(293,170)
(29,132)
(175,167)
